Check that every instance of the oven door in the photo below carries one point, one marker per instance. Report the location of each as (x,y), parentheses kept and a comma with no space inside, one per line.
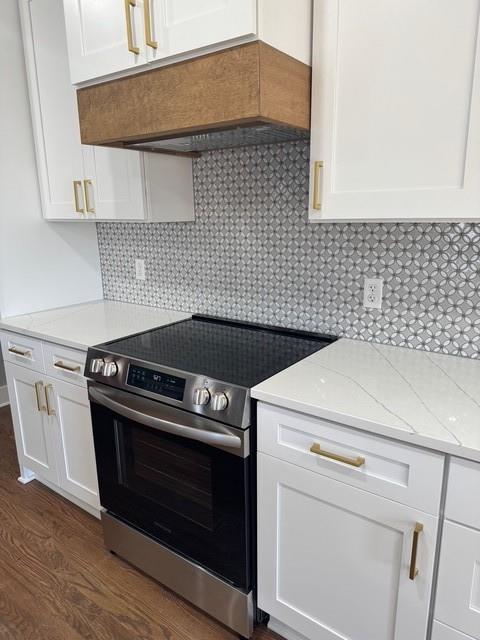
(181,478)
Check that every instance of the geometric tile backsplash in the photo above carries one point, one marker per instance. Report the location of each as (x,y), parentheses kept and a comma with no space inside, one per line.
(252,255)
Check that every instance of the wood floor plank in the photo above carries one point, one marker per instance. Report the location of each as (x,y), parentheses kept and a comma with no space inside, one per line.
(58,582)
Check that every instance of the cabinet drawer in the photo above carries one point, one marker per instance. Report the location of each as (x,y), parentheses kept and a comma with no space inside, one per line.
(441,632)
(463,504)
(64,363)
(23,350)
(458,590)
(387,468)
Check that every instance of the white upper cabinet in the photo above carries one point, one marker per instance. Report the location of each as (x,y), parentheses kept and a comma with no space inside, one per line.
(113,36)
(186,25)
(54,110)
(104,36)
(113,188)
(395,110)
(76,182)
(79,182)
(116,35)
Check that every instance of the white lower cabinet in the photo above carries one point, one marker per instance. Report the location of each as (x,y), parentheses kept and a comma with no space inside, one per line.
(34,433)
(458,591)
(52,422)
(337,562)
(77,469)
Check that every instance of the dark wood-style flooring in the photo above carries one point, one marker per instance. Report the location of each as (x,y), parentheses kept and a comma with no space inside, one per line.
(58,582)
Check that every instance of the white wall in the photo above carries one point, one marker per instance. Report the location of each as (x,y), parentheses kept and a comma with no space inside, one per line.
(42,264)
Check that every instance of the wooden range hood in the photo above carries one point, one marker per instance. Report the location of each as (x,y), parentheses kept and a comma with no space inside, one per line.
(249,94)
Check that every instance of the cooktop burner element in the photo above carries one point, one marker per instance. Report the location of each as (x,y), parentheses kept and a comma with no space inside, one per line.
(234,352)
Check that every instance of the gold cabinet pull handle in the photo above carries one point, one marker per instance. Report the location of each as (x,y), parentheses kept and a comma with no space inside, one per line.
(148,25)
(76,185)
(353,462)
(66,367)
(18,352)
(128,18)
(88,205)
(38,391)
(50,411)
(317,168)
(413,560)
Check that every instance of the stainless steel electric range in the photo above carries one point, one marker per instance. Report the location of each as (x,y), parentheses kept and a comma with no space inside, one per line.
(174,433)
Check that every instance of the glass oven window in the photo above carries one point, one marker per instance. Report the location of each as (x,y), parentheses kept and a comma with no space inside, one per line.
(170,474)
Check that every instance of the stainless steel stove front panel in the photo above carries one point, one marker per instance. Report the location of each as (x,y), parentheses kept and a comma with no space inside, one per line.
(236,414)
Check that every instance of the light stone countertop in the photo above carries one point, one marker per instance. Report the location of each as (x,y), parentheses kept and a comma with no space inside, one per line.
(84,325)
(424,398)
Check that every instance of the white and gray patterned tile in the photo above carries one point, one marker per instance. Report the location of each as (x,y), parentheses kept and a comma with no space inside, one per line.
(251,254)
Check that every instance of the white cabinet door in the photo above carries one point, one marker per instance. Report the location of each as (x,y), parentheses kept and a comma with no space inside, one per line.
(98,37)
(442,632)
(34,431)
(180,26)
(77,182)
(334,561)
(54,109)
(395,110)
(75,451)
(458,590)
(114,187)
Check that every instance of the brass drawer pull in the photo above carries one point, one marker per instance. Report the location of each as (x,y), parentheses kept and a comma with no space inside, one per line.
(18,352)
(50,411)
(67,367)
(38,391)
(86,185)
(76,185)
(148,25)
(317,168)
(413,560)
(128,18)
(353,462)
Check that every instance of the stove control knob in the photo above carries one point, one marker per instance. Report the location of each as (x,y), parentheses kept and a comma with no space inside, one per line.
(96,365)
(201,396)
(110,369)
(219,402)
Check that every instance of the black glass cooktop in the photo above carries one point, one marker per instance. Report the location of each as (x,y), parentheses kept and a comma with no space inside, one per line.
(239,353)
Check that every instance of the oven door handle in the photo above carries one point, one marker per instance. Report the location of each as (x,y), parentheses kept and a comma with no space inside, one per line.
(215,438)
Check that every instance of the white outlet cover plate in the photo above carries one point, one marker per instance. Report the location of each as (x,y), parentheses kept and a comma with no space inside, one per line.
(373,293)
(140,269)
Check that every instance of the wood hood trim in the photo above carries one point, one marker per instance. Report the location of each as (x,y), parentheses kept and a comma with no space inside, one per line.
(250,84)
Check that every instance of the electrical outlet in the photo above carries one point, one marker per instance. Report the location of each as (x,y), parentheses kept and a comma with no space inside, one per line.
(372,293)
(140,269)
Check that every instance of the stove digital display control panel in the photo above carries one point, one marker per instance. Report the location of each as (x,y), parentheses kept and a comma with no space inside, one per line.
(156,382)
